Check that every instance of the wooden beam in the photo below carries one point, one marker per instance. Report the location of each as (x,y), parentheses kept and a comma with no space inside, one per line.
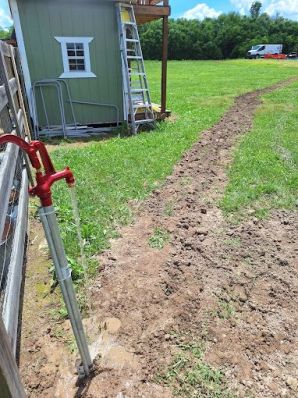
(10,381)
(13,53)
(154,2)
(4,48)
(13,85)
(3,97)
(164,71)
(152,11)
(10,86)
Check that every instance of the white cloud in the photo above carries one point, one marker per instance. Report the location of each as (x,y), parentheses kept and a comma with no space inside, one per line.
(243,6)
(285,8)
(201,11)
(5,19)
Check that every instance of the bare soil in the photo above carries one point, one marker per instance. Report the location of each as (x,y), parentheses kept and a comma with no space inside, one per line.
(232,286)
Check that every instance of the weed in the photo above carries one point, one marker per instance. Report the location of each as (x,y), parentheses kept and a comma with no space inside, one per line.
(233,242)
(57,332)
(186,181)
(226,310)
(159,238)
(59,313)
(169,208)
(77,271)
(63,312)
(190,376)
(72,345)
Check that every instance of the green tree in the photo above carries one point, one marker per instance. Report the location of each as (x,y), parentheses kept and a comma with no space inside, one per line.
(5,33)
(228,36)
(255,9)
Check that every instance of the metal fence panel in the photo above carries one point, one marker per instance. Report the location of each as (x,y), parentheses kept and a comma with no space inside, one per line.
(13,193)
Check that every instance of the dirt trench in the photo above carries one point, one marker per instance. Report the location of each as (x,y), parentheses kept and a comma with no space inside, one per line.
(143,294)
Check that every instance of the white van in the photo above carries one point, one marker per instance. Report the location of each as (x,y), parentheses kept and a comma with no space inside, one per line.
(262,49)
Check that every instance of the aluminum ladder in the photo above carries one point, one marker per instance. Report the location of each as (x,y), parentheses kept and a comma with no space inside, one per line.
(137,101)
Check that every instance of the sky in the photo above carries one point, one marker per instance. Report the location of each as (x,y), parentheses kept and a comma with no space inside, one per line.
(201,9)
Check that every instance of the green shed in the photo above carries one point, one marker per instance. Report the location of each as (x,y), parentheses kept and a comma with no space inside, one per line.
(82,63)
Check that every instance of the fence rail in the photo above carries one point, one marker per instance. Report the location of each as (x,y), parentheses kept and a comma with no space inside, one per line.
(13,194)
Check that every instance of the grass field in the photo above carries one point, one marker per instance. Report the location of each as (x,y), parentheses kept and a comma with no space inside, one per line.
(110,173)
(264,173)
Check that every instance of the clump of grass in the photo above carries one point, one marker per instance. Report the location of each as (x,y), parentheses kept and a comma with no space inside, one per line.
(226,310)
(169,208)
(264,173)
(159,238)
(233,242)
(189,376)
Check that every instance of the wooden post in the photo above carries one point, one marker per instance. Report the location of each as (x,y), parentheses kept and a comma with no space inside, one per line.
(165,40)
(20,94)
(10,382)
(10,85)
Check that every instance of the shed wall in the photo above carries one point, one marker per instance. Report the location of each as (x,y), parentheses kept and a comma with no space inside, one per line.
(42,20)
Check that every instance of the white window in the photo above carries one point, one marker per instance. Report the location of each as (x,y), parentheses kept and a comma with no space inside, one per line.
(75,56)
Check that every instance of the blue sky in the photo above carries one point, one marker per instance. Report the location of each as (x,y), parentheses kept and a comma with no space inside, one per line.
(201,9)
(179,7)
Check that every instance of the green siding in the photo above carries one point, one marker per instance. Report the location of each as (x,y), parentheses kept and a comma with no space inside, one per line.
(42,20)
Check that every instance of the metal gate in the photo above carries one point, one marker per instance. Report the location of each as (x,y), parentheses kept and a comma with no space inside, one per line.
(13,193)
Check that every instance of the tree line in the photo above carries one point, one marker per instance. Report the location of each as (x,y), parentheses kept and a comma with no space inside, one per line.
(228,36)
(5,33)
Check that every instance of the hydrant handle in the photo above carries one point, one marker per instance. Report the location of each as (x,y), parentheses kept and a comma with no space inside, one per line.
(44,178)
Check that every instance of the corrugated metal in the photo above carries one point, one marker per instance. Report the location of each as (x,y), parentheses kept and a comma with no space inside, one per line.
(42,20)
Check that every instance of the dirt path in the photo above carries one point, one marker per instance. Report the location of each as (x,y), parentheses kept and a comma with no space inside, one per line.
(234,287)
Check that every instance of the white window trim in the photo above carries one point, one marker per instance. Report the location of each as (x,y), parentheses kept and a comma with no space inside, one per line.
(78,74)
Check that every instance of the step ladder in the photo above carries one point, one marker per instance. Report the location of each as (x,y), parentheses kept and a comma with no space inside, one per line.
(137,102)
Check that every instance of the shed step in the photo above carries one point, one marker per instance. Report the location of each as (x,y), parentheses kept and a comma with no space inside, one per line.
(142,105)
(137,74)
(145,121)
(134,57)
(129,23)
(139,90)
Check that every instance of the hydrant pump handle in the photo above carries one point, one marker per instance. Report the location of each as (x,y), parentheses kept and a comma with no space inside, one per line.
(46,175)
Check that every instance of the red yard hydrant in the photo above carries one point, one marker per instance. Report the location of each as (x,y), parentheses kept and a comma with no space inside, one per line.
(46,176)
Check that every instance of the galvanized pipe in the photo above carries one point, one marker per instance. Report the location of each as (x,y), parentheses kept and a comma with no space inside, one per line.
(63,271)
(99,104)
(44,107)
(57,85)
(70,101)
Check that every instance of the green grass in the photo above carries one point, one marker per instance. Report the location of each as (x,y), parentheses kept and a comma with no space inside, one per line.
(264,173)
(189,376)
(226,310)
(111,173)
(159,238)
